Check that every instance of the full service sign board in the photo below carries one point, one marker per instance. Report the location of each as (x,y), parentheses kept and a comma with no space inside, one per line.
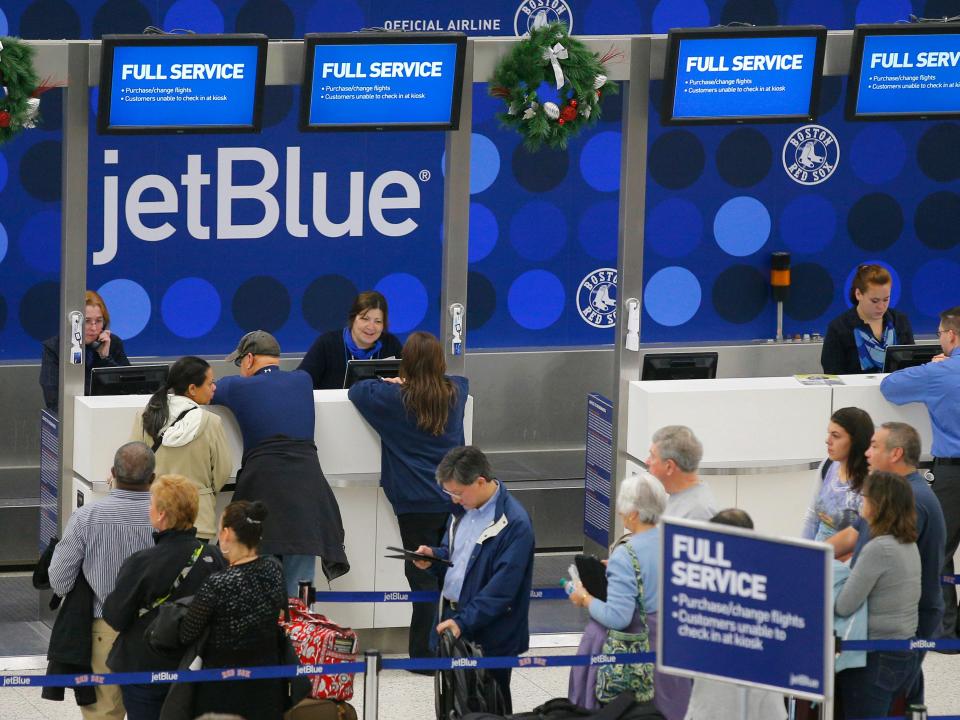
(909,74)
(182,84)
(744,77)
(746,608)
(356,83)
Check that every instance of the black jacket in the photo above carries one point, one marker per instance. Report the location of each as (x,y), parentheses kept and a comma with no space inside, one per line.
(839,355)
(304,517)
(144,577)
(326,360)
(50,367)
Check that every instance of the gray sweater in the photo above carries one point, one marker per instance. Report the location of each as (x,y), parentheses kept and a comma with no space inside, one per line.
(887,575)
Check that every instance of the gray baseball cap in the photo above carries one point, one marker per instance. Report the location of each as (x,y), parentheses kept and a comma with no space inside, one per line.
(258,342)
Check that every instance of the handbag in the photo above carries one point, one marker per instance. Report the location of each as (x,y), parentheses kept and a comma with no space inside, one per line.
(317,640)
(316,709)
(636,678)
(163,633)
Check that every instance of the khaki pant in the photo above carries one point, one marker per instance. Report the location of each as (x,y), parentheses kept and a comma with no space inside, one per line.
(109,704)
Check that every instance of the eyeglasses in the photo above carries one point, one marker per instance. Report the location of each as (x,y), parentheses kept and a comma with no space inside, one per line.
(239,361)
(941,332)
(93,321)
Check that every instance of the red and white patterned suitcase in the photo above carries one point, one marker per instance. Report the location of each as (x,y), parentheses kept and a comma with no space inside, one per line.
(317,640)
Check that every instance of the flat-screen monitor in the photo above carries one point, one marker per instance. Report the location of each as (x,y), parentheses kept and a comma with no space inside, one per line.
(128,379)
(680,366)
(899,357)
(382,81)
(743,75)
(904,72)
(366,369)
(156,84)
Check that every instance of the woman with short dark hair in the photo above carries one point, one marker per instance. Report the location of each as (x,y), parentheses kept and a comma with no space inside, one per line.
(419,417)
(365,337)
(887,578)
(241,606)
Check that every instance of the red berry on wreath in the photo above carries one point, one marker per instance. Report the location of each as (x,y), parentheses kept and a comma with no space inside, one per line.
(561,121)
(568,114)
(4,119)
(573,103)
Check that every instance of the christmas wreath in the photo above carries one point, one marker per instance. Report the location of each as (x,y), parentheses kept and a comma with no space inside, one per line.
(550,55)
(20,89)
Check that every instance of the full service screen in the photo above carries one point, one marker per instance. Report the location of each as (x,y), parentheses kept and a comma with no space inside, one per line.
(744,77)
(909,74)
(386,84)
(183,86)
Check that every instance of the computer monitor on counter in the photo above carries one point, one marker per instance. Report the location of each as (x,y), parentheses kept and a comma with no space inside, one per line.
(904,356)
(128,379)
(680,366)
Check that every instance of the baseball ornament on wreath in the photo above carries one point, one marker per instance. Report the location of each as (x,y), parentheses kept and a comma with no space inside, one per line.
(20,89)
(550,55)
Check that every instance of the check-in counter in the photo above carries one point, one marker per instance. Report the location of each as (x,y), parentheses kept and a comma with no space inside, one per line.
(349,452)
(763,438)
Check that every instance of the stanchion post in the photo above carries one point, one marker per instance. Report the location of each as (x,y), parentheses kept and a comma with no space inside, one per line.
(371,684)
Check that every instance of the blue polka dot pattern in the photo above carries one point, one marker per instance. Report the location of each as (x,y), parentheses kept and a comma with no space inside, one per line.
(672,296)
(811,292)
(883,11)
(51,111)
(755,12)
(538,230)
(407,298)
(274,19)
(875,222)
(131,306)
(39,310)
(673,228)
(541,171)
(597,230)
(679,13)
(40,170)
(600,161)
(934,286)
(39,241)
(261,303)
(676,159)
(348,17)
(938,152)
(190,307)
(741,226)
(44,19)
(599,14)
(4,172)
(536,299)
(481,300)
(4,242)
(740,293)
(201,16)
(744,157)
(484,163)
(4,24)
(937,220)
(121,16)
(831,13)
(808,224)
(878,154)
(483,232)
(327,300)
(895,286)
(3,312)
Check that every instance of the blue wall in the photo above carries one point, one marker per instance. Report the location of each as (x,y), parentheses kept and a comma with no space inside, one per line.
(719,200)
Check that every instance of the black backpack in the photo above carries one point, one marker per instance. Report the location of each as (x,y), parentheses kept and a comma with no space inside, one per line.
(466,690)
(622,707)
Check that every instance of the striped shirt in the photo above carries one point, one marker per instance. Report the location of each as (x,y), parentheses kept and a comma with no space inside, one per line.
(98,538)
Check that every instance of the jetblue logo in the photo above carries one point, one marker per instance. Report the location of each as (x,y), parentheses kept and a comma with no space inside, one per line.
(811,154)
(804,681)
(396,597)
(597,298)
(533,14)
(16,680)
(152,220)
(463,662)
(310,670)
(602,659)
(163,677)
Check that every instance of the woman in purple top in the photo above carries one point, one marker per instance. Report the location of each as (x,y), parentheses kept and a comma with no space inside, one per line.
(837,502)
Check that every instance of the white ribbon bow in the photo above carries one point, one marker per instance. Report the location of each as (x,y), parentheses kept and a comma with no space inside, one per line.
(554,55)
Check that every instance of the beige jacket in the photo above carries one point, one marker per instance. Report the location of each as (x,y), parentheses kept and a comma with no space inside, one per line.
(205,460)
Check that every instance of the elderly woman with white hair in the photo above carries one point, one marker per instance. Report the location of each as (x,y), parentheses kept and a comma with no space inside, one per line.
(633,578)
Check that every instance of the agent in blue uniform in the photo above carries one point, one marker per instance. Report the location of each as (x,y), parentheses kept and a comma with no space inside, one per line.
(419,417)
(937,385)
(365,337)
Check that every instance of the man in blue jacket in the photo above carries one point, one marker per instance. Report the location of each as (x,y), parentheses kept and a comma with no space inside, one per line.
(486,593)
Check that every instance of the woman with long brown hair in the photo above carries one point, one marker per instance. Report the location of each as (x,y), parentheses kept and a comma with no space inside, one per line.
(419,417)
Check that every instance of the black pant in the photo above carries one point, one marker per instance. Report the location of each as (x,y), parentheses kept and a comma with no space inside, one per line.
(418,529)
(946,486)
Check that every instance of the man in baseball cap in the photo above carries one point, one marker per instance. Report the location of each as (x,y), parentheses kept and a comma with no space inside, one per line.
(275,411)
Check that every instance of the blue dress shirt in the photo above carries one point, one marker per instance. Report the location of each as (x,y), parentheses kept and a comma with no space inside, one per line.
(936,385)
(469,529)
